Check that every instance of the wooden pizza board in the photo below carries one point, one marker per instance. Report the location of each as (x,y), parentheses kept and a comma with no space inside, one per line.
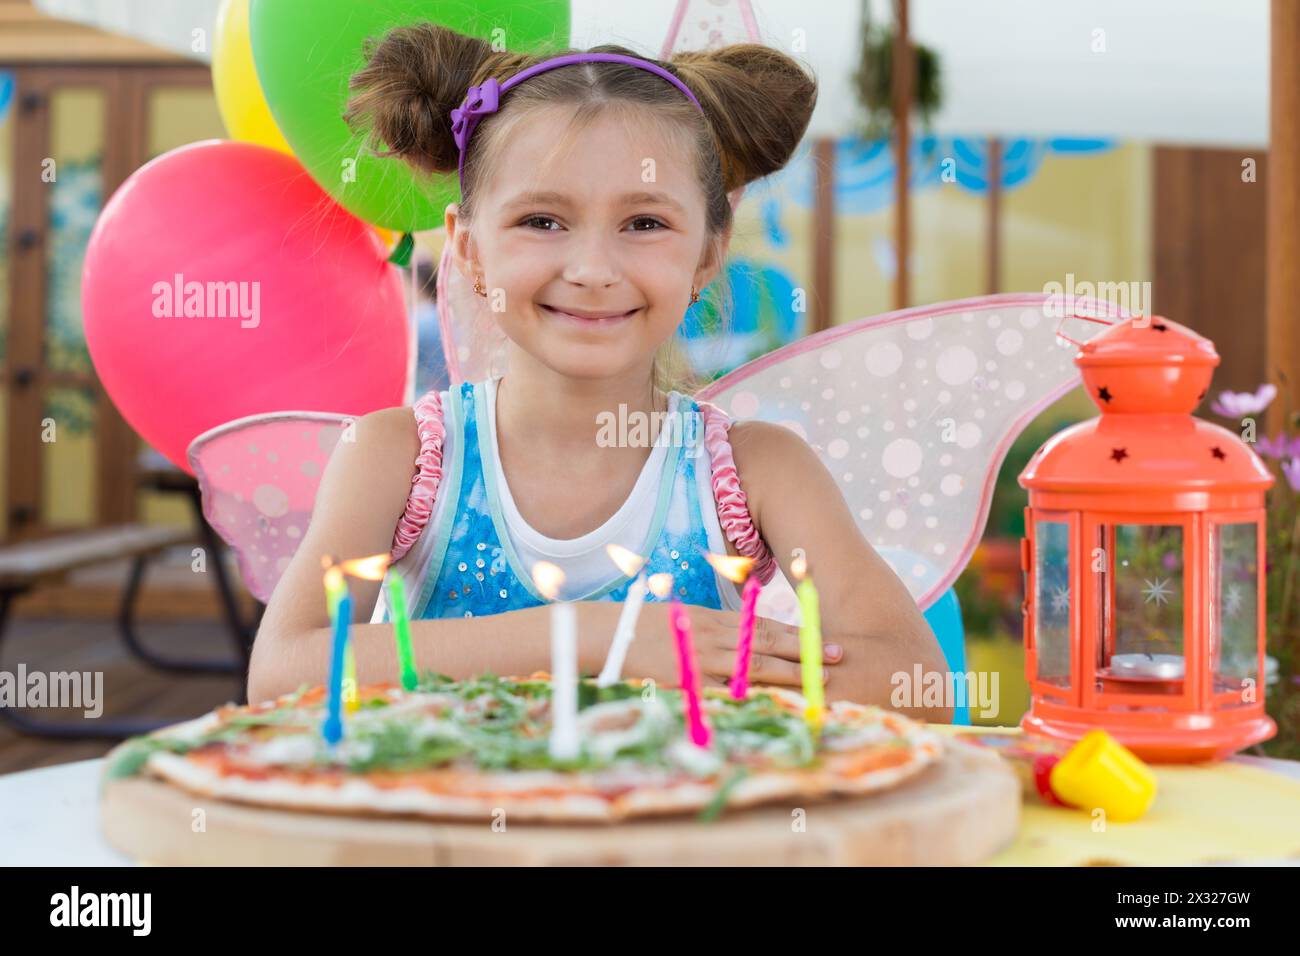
(960,810)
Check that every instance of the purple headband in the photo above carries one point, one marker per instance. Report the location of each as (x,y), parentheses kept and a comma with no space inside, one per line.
(486,98)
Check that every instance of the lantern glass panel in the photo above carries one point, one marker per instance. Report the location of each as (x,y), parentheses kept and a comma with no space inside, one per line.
(1235,628)
(1052,601)
(1143,636)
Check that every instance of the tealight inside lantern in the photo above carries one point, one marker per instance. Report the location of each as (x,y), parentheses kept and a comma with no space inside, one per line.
(1141,604)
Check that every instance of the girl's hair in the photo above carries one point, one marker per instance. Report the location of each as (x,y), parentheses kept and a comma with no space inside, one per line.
(757,103)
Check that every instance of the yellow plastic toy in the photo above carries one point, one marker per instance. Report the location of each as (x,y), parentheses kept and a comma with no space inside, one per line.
(1099,771)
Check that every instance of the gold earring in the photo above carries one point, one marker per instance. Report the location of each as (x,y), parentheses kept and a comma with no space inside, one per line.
(478,286)
(695,296)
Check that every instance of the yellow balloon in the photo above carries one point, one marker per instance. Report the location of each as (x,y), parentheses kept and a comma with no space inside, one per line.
(234,78)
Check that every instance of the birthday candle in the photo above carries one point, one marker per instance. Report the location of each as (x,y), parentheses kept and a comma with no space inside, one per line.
(745,647)
(350,702)
(402,632)
(737,569)
(333,726)
(335,585)
(690,677)
(335,591)
(625,631)
(371,568)
(810,643)
(660,585)
(563,744)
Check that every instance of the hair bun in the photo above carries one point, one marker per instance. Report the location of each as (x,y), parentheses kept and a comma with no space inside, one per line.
(413,78)
(759,102)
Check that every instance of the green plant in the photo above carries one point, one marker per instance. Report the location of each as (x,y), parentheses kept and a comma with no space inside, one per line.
(874,78)
(1281,565)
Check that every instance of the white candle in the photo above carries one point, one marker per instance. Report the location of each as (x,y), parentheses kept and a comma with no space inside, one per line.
(629,563)
(612,672)
(563,744)
(1142,666)
(564,682)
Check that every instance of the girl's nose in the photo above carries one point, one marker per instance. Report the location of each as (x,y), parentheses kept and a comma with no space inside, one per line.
(591,264)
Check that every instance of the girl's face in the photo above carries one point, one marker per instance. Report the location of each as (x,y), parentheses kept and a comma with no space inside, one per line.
(588,255)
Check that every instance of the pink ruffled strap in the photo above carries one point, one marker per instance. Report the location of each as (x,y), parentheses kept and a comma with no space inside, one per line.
(733,509)
(424,483)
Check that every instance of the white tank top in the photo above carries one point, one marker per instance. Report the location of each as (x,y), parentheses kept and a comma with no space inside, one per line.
(585,562)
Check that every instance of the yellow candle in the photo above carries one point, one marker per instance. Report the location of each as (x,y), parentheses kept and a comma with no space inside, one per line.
(810,644)
(335,585)
(350,697)
(371,568)
(335,588)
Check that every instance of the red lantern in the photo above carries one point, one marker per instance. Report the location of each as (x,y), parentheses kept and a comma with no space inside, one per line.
(1144,559)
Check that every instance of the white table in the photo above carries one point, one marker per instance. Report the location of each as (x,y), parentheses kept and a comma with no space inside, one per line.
(50,817)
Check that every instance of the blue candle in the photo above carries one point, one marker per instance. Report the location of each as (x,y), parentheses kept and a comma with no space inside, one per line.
(333,726)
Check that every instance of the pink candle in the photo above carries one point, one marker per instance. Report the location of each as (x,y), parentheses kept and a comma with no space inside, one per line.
(737,569)
(748,601)
(690,678)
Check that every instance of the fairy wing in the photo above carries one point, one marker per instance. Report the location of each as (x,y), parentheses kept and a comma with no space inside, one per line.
(913,412)
(258,478)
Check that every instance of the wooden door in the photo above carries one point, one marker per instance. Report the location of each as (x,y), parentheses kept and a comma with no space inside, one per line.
(71,135)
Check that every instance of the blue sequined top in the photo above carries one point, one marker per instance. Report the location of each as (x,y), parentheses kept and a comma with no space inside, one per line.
(470,568)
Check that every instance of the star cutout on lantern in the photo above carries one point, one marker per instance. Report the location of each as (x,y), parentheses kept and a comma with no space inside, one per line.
(1060,600)
(1103,393)
(1157,591)
(1118,454)
(1217,452)
(1232,600)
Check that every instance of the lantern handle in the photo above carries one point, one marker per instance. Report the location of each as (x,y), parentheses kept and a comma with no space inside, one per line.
(1078,315)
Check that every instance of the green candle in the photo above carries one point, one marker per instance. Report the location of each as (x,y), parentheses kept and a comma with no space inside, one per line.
(810,644)
(402,631)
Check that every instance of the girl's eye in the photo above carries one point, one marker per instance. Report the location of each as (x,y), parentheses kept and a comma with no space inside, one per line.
(655,223)
(532,219)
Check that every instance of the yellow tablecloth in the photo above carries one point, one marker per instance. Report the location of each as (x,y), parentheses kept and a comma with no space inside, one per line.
(1203,813)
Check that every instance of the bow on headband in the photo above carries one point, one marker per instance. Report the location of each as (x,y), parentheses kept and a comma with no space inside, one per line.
(479,101)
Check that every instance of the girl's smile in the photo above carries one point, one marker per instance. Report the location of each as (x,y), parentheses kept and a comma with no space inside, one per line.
(590,320)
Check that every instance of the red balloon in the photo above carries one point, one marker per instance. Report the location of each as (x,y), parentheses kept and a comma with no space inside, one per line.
(221,281)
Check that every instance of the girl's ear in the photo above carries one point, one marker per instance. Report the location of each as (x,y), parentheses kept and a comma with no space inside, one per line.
(715,258)
(463,253)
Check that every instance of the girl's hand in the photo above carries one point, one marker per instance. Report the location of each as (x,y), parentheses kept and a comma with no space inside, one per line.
(774,658)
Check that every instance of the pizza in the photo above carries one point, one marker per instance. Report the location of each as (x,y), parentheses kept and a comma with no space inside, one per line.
(476,749)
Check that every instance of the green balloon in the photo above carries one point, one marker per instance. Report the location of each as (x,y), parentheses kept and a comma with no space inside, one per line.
(305,51)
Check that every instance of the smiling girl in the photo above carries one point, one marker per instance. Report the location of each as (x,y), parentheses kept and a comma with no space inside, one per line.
(594,208)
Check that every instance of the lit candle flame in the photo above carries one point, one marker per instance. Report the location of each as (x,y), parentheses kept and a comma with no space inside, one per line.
(799,567)
(629,562)
(333,577)
(369,569)
(547,578)
(734,569)
(661,585)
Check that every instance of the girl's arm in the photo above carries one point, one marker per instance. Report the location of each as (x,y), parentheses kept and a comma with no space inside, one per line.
(362,495)
(865,608)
